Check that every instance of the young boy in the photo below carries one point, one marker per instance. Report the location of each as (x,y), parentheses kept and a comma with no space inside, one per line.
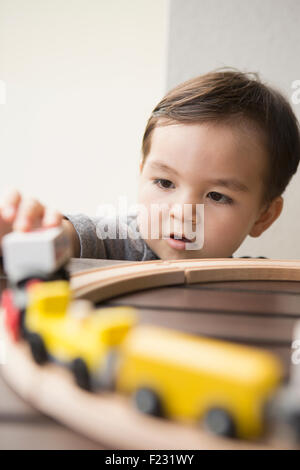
(223,140)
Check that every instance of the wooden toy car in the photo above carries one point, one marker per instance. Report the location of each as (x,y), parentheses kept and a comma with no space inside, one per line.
(41,253)
(72,332)
(226,386)
(35,256)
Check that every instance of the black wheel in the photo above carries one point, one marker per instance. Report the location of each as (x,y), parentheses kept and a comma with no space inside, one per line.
(219,421)
(81,374)
(23,330)
(147,401)
(38,348)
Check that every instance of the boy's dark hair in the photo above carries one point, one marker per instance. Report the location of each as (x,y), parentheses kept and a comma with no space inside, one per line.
(229,95)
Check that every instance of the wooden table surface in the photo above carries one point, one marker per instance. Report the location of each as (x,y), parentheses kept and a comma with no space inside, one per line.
(259,313)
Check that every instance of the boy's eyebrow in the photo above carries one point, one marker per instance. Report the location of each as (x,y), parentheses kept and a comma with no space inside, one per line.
(232,183)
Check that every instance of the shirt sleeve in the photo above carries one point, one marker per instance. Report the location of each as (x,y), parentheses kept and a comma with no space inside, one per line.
(110,237)
(91,246)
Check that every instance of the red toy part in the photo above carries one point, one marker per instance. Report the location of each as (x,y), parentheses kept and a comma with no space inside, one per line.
(11,314)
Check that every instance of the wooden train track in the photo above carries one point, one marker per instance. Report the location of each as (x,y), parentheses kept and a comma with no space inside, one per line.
(108,418)
(101,284)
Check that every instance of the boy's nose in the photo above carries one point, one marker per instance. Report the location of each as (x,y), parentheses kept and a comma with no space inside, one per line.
(185,212)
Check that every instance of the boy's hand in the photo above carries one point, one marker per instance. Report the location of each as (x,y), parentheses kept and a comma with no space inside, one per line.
(17,214)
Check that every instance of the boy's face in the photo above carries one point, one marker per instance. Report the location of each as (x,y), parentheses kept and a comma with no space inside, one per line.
(198,155)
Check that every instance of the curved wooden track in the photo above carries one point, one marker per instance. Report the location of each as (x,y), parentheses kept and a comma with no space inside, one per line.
(108,418)
(101,284)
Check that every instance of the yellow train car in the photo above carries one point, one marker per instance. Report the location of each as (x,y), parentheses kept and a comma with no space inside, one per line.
(72,332)
(195,379)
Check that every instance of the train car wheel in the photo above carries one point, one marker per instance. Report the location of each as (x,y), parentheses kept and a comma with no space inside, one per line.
(219,421)
(147,401)
(81,374)
(38,349)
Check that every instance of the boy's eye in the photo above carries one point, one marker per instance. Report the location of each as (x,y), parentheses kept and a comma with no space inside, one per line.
(164,184)
(217,197)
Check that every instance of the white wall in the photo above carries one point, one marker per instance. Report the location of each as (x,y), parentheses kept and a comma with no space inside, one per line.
(82,77)
(261,36)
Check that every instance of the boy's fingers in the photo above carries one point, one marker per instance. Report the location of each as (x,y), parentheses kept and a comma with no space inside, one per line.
(52,218)
(29,215)
(10,205)
(25,215)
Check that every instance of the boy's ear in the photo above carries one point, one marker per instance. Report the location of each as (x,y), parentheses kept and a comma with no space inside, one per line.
(141,165)
(267,217)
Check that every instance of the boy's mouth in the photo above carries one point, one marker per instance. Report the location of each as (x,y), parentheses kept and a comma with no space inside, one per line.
(176,236)
(177,242)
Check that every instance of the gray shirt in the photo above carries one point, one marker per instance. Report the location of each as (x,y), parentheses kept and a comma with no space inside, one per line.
(109,237)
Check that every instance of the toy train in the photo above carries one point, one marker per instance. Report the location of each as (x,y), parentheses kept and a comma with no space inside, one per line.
(168,373)
(39,255)
(227,387)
